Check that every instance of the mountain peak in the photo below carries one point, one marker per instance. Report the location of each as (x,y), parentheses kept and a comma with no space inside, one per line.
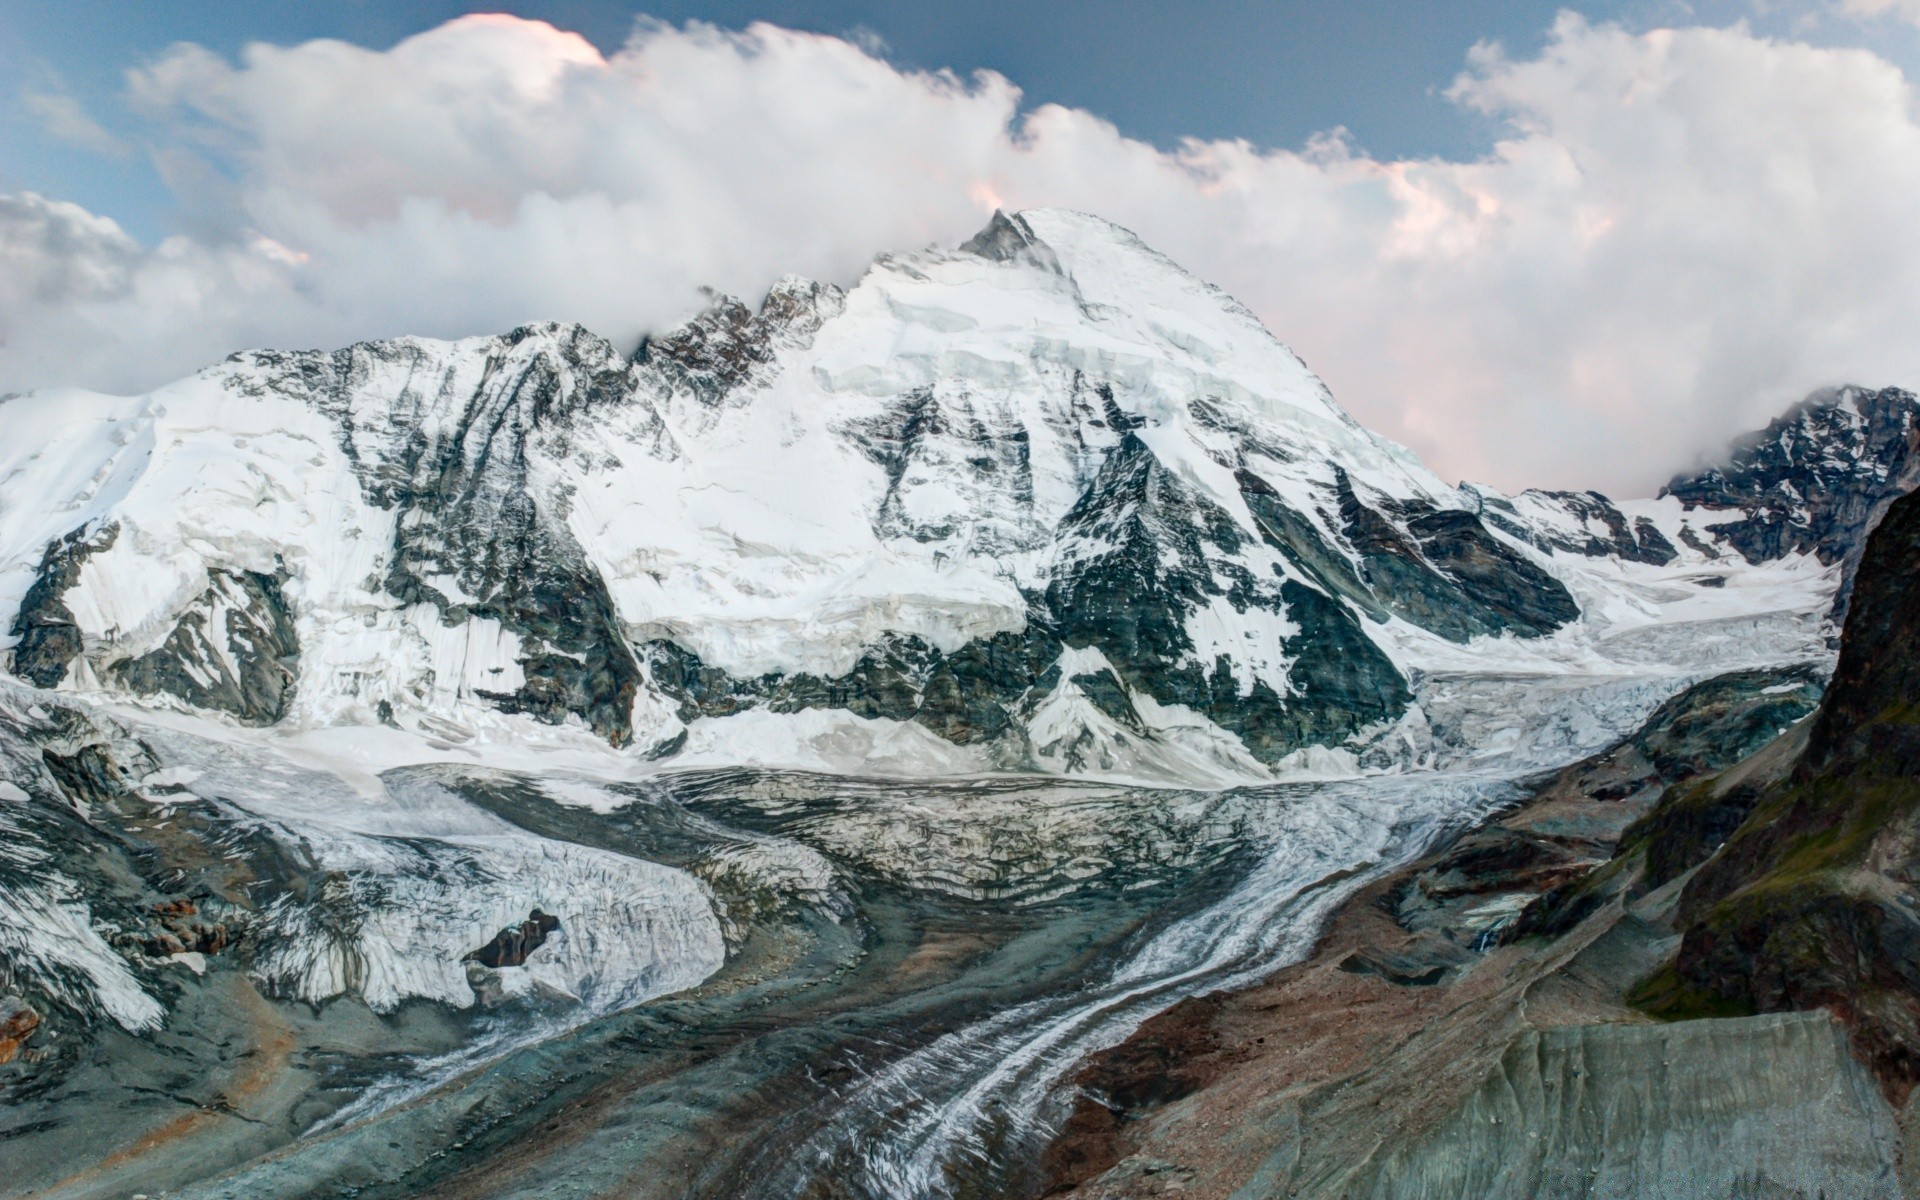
(1816,478)
(1008,239)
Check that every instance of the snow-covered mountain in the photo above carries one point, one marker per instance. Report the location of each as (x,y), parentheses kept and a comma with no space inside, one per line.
(1043,502)
(402,673)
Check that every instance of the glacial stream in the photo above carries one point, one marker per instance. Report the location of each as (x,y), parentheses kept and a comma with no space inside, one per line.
(913,969)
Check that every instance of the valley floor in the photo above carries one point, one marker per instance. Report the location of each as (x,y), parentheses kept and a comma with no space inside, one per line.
(912,968)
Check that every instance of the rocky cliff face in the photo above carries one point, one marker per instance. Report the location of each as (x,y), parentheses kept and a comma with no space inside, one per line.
(1811,901)
(1815,480)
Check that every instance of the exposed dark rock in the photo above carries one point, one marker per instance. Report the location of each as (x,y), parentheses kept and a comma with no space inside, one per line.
(1816,479)
(1294,536)
(233,650)
(1446,573)
(1689,825)
(1694,542)
(1487,861)
(1010,239)
(1421,961)
(729,344)
(967,696)
(1812,900)
(478,523)
(178,927)
(18,1021)
(89,775)
(1719,721)
(49,639)
(1104,690)
(1638,541)
(511,946)
(1867,723)
(1140,531)
(1521,596)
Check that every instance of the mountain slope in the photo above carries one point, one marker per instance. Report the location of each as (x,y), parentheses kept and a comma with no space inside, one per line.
(898,508)
(1809,903)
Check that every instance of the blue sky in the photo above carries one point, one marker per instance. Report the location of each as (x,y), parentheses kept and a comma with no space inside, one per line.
(1274,72)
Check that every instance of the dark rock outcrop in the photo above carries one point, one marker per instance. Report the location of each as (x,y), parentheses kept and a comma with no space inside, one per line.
(1421,961)
(1445,572)
(1814,900)
(729,345)
(1498,580)
(178,927)
(18,1022)
(511,946)
(965,697)
(1816,479)
(1636,541)
(1009,238)
(49,639)
(1140,531)
(234,650)
(1295,537)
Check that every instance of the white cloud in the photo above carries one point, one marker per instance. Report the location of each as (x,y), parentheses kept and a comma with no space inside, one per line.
(1682,230)
(67,119)
(53,254)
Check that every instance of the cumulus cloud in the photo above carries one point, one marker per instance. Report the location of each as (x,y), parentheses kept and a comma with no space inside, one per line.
(1679,231)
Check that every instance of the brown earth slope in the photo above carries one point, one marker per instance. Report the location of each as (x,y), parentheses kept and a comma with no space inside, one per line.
(1436,1046)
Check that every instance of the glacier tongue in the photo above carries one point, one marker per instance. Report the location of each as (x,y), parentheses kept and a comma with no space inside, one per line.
(415,879)
(377,886)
